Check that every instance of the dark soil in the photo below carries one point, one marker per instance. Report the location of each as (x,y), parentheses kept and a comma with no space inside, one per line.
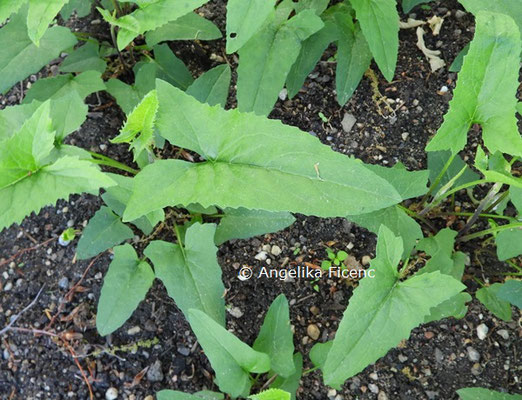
(431,364)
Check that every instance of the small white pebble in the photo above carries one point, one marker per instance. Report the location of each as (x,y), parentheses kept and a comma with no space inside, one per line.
(482,331)
(276,250)
(111,394)
(261,256)
(444,89)
(503,334)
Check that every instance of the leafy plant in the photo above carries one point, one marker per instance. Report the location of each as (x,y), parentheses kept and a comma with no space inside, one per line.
(334,258)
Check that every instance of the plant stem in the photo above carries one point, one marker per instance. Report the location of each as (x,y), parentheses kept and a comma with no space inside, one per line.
(180,242)
(490,231)
(117,8)
(438,179)
(483,204)
(468,214)
(306,372)
(109,162)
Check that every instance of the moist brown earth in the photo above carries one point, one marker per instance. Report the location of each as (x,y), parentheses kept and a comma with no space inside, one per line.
(156,349)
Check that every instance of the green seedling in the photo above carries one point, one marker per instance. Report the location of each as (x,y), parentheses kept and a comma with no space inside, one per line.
(333,258)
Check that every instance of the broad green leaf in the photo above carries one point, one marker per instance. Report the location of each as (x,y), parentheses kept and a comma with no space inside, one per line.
(266,60)
(509,243)
(271,394)
(291,383)
(230,358)
(353,59)
(175,395)
(21,57)
(251,162)
(208,395)
(486,90)
(408,184)
(380,24)
(103,231)
(52,88)
(191,273)
(487,295)
(9,7)
(485,394)
(170,68)
(125,285)
(496,168)
(66,176)
(311,51)
(319,353)
(276,338)
(140,122)
(519,108)
(243,224)
(68,113)
(188,27)
(318,6)
(456,65)
(440,249)
(244,19)
(149,16)
(84,58)
(407,5)
(454,307)
(212,87)
(396,220)
(116,197)
(511,291)
(437,160)
(40,15)
(13,117)
(396,308)
(82,8)
(515,195)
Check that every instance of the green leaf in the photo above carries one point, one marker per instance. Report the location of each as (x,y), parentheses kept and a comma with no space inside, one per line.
(149,16)
(454,307)
(487,295)
(353,59)
(208,395)
(396,308)
(117,197)
(495,168)
(103,231)
(9,7)
(276,338)
(271,394)
(511,291)
(407,5)
(291,383)
(191,273)
(230,358)
(266,60)
(380,24)
(13,117)
(244,19)
(68,113)
(84,58)
(315,179)
(456,65)
(170,68)
(243,224)
(519,108)
(311,51)
(52,88)
(485,394)
(140,122)
(396,220)
(40,15)
(437,160)
(82,8)
(212,87)
(319,353)
(175,395)
(509,243)
(188,27)
(486,90)
(21,57)
(125,285)
(440,249)
(409,184)
(318,6)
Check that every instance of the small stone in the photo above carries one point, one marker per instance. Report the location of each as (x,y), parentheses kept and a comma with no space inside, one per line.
(103,147)
(235,312)
(482,331)
(111,394)
(405,135)
(283,94)
(402,358)
(275,250)
(261,256)
(315,310)
(95,22)
(382,396)
(473,354)
(429,335)
(348,122)
(134,330)
(374,376)
(443,90)
(63,283)
(149,397)
(154,373)
(332,393)
(439,357)
(184,351)
(313,331)
(366,260)
(503,334)
(431,394)
(476,369)
(459,14)
(8,286)
(373,388)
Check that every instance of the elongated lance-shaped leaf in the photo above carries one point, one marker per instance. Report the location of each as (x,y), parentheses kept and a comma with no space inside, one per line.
(40,15)
(176,395)
(212,87)
(230,358)
(266,60)
(127,282)
(254,163)
(379,21)
(486,90)
(291,383)
(477,393)
(487,295)
(511,291)
(396,308)
(191,273)
(82,8)
(276,338)
(149,16)
(271,394)
(21,57)
(104,230)
(85,58)
(244,19)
